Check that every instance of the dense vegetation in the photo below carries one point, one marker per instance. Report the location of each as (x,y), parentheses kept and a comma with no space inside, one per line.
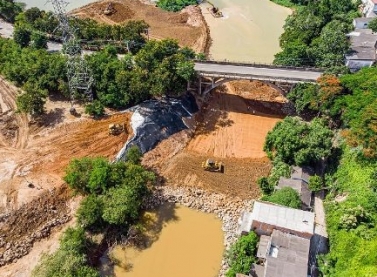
(314,35)
(114,194)
(348,104)
(351,218)
(175,5)
(296,142)
(241,255)
(159,68)
(9,10)
(286,196)
(128,37)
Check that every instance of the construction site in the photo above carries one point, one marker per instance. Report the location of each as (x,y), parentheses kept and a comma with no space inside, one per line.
(218,147)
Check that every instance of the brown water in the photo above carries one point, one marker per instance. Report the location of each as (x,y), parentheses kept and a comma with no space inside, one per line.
(184,243)
(249,30)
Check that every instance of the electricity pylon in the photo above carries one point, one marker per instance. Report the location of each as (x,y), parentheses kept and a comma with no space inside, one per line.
(80,79)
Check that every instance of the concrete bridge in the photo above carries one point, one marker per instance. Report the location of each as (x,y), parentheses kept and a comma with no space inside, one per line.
(213,74)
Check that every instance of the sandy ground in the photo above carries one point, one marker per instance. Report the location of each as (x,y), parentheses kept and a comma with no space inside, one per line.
(231,129)
(188,26)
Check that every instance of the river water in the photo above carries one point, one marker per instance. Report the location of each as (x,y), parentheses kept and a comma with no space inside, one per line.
(182,242)
(249,30)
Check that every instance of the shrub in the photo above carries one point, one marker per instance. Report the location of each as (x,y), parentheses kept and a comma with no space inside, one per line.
(287,197)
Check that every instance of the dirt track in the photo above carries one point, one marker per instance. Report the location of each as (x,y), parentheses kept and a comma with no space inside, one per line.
(188,26)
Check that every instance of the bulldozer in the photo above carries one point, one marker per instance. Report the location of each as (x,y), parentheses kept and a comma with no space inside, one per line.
(116,129)
(213,166)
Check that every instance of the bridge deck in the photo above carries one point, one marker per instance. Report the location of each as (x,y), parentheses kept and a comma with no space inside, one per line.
(261,73)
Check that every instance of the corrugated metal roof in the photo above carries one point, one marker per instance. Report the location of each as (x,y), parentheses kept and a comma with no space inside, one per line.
(292,219)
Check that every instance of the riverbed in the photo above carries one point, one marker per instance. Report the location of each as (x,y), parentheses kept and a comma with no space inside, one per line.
(249,30)
(180,242)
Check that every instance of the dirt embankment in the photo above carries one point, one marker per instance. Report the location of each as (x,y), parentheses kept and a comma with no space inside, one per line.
(187,27)
(33,156)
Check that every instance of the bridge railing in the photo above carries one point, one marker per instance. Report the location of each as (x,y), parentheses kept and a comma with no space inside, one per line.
(259,65)
(237,76)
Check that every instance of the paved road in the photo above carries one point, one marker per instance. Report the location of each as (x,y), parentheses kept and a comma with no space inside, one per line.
(273,73)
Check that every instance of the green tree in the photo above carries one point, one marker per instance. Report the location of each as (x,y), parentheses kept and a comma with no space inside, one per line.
(315,183)
(22,36)
(134,155)
(38,41)
(95,108)
(296,142)
(89,214)
(286,196)
(32,100)
(9,9)
(175,5)
(241,255)
(373,24)
(69,259)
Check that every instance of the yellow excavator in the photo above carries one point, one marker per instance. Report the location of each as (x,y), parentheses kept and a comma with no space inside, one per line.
(213,166)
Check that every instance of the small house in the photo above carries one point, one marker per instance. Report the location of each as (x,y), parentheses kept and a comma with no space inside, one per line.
(267,217)
(363,49)
(282,254)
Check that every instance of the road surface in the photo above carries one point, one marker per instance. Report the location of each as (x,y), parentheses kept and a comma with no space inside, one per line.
(242,70)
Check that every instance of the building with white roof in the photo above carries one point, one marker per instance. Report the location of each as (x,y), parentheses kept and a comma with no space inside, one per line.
(266,217)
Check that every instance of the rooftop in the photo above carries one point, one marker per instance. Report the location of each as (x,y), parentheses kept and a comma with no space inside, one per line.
(288,218)
(290,257)
(363,43)
(298,185)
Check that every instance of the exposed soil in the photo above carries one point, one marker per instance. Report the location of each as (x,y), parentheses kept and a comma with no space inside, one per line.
(188,26)
(33,155)
(230,129)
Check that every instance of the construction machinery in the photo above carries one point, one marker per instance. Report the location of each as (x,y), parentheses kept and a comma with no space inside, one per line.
(213,166)
(109,9)
(116,129)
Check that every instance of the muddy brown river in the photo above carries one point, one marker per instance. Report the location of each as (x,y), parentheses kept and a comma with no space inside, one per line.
(181,242)
(248,31)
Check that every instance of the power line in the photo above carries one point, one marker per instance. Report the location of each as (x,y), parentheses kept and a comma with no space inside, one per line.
(80,79)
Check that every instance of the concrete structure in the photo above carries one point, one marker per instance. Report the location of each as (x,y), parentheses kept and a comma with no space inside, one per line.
(299,181)
(282,255)
(267,217)
(221,72)
(363,49)
(370,8)
(362,22)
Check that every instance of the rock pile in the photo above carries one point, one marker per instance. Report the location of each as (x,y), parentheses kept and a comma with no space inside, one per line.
(17,249)
(226,208)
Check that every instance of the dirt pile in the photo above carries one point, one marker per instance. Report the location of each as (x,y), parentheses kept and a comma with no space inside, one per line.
(188,27)
(32,222)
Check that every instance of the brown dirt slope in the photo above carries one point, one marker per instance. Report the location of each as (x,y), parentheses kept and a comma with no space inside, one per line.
(188,27)
(231,128)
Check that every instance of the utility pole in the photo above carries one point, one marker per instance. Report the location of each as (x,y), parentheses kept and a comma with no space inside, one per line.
(80,79)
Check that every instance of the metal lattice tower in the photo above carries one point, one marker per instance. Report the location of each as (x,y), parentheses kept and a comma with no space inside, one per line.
(80,79)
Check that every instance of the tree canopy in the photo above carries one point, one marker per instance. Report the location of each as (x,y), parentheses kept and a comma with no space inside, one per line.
(296,142)
(286,196)
(315,34)
(241,254)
